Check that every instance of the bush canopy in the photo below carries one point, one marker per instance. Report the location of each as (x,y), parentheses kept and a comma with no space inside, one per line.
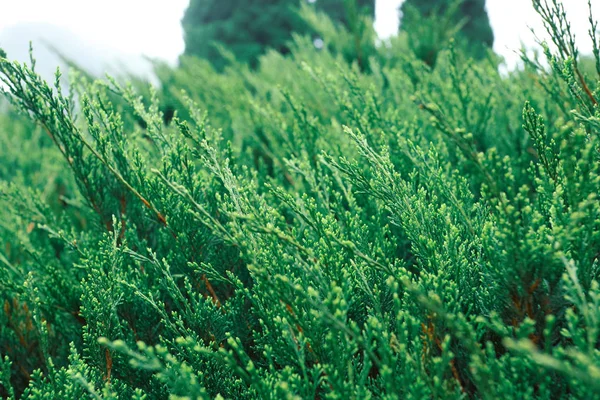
(308,229)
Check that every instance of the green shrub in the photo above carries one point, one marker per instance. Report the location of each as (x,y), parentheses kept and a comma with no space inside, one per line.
(304,230)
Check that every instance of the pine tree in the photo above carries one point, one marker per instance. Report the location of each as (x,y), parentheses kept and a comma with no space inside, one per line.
(341,10)
(441,17)
(248,28)
(244,28)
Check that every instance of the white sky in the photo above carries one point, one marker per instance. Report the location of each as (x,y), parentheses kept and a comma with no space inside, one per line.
(152,27)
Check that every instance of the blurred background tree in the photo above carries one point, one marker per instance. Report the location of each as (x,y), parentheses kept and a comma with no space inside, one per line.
(248,28)
(429,24)
(341,10)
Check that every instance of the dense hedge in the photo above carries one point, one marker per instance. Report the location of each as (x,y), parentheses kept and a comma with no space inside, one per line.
(307,230)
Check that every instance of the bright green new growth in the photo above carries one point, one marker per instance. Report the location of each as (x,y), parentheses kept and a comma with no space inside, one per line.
(305,230)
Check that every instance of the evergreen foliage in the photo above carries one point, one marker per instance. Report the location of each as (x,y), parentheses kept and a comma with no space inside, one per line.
(344,10)
(304,230)
(443,19)
(245,29)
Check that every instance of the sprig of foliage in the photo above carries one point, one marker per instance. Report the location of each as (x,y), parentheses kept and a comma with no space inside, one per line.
(308,229)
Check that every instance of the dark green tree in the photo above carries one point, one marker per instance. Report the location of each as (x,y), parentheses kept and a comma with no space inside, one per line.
(244,28)
(342,10)
(442,18)
(248,28)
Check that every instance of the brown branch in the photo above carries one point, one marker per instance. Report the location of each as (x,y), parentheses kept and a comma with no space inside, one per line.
(211,290)
(109,364)
(586,89)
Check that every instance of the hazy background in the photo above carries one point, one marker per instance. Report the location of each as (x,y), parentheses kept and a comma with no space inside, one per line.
(113,35)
